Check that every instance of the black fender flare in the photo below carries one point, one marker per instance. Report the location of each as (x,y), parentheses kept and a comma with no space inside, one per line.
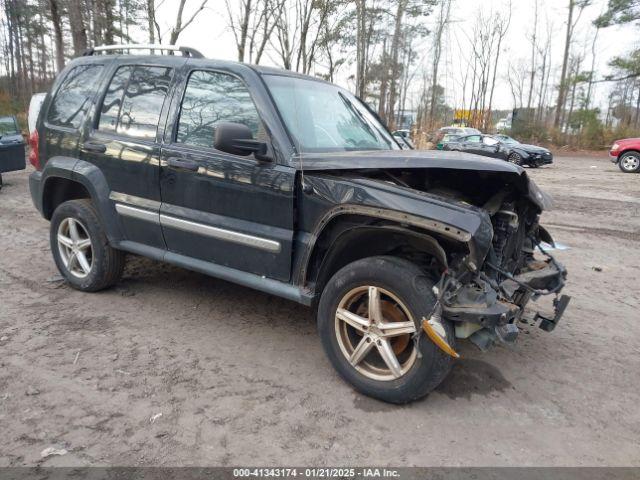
(427,229)
(94,181)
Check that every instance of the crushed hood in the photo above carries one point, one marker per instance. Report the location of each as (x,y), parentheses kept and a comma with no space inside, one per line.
(426,159)
(403,159)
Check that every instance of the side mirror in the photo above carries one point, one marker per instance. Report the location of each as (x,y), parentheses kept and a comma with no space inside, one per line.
(237,139)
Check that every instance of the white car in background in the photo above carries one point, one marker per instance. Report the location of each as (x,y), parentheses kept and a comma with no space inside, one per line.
(34,110)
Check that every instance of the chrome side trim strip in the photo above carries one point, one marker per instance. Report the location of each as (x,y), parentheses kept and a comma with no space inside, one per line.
(127,211)
(272,246)
(133,200)
(221,234)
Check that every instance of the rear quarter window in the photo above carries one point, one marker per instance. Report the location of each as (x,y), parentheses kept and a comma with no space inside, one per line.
(73,97)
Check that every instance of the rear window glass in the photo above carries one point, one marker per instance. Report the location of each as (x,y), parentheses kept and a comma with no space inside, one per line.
(134,100)
(73,98)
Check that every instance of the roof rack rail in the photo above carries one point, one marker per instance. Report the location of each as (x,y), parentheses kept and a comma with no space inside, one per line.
(186,51)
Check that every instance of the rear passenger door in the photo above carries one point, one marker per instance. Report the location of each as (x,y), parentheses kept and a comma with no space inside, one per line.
(124,142)
(231,210)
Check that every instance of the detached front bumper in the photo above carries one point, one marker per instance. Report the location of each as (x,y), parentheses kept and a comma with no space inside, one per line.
(541,158)
(486,311)
(489,304)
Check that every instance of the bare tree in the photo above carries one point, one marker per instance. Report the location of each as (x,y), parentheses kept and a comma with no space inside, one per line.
(562,87)
(442,21)
(179,26)
(534,47)
(56,19)
(501,27)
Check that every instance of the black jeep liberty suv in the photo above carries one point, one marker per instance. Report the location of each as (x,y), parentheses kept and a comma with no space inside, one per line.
(291,185)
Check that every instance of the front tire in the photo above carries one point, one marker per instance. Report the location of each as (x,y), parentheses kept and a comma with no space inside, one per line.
(629,162)
(515,158)
(80,247)
(367,316)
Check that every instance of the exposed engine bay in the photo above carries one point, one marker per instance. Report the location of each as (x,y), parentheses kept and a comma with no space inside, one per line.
(486,298)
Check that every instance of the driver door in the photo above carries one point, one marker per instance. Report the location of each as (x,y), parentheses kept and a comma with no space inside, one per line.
(226,209)
(472,144)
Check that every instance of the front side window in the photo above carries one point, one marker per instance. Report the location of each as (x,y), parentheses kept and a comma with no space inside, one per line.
(134,99)
(211,98)
(72,99)
(473,139)
(324,118)
(489,141)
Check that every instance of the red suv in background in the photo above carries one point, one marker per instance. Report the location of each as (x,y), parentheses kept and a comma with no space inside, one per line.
(626,153)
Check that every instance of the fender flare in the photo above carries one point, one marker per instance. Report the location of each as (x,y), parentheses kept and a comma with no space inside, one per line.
(94,181)
(427,227)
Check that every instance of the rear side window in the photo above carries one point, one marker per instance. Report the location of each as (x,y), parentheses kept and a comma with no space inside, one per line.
(211,98)
(134,100)
(72,99)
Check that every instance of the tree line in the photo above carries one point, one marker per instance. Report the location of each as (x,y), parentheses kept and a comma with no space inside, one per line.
(397,55)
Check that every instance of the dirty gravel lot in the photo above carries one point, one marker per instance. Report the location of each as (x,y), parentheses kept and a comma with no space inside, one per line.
(175,368)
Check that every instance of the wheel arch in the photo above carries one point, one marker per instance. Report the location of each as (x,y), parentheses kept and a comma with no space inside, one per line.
(66,179)
(628,150)
(348,237)
(58,189)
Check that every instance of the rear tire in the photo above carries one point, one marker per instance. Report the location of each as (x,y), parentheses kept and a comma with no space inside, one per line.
(629,162)
(80,247)
(404,295)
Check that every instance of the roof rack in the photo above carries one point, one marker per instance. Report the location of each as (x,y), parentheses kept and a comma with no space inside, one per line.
(186,51)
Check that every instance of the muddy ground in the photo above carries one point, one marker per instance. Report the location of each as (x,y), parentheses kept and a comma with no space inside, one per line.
(175,368)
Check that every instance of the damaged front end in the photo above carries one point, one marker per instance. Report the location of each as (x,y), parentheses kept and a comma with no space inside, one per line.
(487,302)
(478,221)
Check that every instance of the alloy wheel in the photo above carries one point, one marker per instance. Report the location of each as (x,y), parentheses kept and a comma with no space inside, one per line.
(74,244)
(630,162)
(515,159)
(374,330)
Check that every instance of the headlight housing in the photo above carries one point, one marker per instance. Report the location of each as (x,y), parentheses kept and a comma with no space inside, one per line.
(615,146)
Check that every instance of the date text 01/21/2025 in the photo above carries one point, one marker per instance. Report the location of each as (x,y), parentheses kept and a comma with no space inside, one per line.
(315,472)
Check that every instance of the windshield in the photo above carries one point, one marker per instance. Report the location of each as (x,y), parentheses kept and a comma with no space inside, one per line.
(8,126)
(324,118)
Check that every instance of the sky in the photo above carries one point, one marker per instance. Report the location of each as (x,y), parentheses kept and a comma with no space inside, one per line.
(210,34)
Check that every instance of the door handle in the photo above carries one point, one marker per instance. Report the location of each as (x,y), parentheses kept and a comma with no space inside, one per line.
(94,147)
(183,164)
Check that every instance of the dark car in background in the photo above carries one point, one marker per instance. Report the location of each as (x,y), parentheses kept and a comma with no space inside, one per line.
(446,139)
(502,147)
(11,146)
